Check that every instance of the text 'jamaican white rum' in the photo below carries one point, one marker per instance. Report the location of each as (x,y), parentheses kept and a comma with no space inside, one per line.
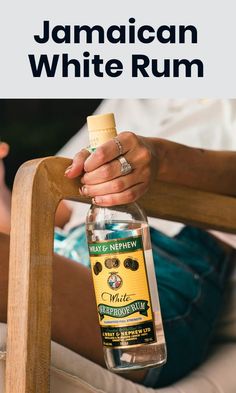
(124,276)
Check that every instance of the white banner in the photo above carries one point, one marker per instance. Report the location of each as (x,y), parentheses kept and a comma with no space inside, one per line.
(126,49)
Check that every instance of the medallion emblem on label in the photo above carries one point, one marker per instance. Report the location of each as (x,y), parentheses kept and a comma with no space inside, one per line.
(114,281)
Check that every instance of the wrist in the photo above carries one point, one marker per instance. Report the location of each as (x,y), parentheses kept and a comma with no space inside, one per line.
(159,150)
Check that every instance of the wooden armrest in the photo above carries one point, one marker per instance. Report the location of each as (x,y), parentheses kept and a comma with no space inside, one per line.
(39,187)
(191,206)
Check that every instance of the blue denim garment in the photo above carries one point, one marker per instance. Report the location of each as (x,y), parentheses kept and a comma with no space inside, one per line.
(190,270)
(72,244)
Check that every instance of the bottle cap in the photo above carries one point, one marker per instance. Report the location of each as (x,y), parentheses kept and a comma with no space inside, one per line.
(101,122)
(101,128)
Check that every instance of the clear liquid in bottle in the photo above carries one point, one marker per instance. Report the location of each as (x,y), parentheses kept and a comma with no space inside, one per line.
(125,287)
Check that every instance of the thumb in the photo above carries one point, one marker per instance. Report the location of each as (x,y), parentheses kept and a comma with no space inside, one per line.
(77,166)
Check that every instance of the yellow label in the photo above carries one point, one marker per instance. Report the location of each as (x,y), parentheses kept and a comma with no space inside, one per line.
(122,291)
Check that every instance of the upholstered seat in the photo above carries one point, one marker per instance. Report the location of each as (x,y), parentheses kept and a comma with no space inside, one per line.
(71,373)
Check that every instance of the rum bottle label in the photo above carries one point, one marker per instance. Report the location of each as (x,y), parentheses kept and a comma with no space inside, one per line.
(122,292)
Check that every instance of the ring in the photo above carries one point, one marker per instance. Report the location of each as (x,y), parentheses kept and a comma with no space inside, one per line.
(125,166)
(119,145)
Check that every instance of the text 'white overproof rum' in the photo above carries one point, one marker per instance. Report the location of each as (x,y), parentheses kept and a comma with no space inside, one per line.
(124,276)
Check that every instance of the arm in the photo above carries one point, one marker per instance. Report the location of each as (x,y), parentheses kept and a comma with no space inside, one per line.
(63,214)
(206,170)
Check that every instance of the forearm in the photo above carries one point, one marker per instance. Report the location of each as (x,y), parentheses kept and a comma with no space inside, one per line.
(206,170)
(63,214)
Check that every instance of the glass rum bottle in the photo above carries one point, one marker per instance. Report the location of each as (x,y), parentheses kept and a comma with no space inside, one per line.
(124,276)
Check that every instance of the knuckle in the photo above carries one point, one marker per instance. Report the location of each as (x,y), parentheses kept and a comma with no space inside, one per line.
(131,195)
(145,154)
(86,178)
(77,156)
(85,152)
(131,136)
(118,186)
(105,171)
(101,155)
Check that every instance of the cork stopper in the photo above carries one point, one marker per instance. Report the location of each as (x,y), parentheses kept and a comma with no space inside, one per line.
(101,129)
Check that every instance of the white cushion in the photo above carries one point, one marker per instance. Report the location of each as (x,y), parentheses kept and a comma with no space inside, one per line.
(71,373)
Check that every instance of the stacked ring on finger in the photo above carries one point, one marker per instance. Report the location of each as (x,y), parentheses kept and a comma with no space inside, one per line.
(119,145)
(125,166)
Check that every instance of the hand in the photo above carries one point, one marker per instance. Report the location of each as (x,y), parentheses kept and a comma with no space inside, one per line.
(102,179)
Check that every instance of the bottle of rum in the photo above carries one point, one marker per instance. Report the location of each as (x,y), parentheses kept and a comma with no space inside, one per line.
(124,276)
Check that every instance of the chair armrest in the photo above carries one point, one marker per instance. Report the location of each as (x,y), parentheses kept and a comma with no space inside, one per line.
(190,206)
(39,187)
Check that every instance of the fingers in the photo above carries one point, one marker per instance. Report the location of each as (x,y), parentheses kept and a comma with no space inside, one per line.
(107,171)
(138,158)
(77,166)
(102,179)
(128,196)
(137,181)
(109,151)
(104,173)
(119,184)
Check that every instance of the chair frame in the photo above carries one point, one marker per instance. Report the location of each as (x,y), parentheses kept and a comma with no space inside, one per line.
(38,188)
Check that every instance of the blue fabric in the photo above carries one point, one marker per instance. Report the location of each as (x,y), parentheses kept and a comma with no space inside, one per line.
(72,244)
(190,270)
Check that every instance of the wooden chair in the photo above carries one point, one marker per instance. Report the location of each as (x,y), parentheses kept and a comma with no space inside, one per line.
(39,187)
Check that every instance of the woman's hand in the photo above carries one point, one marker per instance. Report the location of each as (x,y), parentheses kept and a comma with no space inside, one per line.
(102,178)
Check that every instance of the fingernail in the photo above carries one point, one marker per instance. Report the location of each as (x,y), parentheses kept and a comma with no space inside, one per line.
(68,169)
(84,190)
(97,200)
